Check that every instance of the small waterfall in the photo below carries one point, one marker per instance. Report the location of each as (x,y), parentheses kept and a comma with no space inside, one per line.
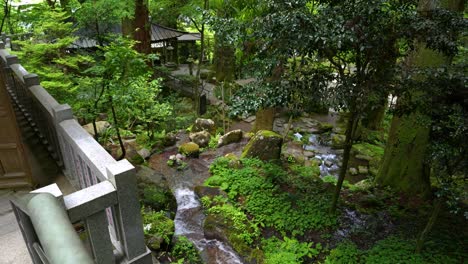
(329,159)
(189,222)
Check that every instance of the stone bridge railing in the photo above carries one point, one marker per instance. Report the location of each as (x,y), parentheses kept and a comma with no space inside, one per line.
(106,201)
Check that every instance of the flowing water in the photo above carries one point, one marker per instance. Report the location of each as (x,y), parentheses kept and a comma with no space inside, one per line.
(329,158)
(189,223)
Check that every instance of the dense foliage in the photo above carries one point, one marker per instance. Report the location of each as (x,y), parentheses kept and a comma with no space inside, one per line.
(394,72)
(259,185)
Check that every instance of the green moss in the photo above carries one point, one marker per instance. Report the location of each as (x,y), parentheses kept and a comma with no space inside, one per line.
(268,133)
(189,149)
(367,149)
(402,165)
(249,150)
(325,127)
(137,160)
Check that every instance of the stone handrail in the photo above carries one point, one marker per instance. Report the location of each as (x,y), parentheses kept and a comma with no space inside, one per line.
(106,200)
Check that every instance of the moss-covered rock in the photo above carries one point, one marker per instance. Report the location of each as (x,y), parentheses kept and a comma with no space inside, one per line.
(371,153)
(190,149)
(211,192)
(265,145)
(324,128)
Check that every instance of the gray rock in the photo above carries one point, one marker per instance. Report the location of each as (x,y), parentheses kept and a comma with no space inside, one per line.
(309,154)
(250,119)
(230,137)
(101,127)
(328,163)
(144,153)
(201,138)
(204,125)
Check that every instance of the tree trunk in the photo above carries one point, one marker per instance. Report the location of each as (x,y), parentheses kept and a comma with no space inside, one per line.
(429,225)
(142,27)
(403,166)
(6,13)
(117,130)
(350,128)
(224,63)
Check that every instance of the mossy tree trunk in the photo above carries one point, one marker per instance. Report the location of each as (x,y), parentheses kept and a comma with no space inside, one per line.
(224,63)
(403,165)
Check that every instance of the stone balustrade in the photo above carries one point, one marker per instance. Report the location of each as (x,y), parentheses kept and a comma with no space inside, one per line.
(106,200)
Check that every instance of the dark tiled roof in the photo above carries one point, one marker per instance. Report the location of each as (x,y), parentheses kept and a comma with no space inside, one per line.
(189,37)
(162,33)
(158,33)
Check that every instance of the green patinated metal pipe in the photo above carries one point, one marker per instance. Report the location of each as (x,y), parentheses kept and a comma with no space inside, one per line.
(58,238)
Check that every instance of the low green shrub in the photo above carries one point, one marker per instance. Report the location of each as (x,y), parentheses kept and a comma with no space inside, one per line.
(185,251)
(392,249)
(263,199)
(158,228)
(289,250)
(344,253)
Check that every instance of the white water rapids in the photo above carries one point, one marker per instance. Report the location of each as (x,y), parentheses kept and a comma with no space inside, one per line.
(189,222)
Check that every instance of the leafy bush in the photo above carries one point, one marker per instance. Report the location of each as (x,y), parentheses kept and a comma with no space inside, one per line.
(264,200)
(158,228)
(390,250)
(241,228)
(344,253)
(185,251)
(289,250)
(213,144)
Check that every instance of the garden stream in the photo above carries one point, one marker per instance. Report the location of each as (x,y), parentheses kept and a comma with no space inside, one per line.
(190,217)
(189,223)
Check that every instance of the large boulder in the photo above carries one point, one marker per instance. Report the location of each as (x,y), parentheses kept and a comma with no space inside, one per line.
(190,149)
(202,138)
(204,124)
(101,127)
(265,145)
(234,136)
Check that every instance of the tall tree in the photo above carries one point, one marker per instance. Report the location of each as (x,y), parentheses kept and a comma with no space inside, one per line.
(142,27)
(405,166)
